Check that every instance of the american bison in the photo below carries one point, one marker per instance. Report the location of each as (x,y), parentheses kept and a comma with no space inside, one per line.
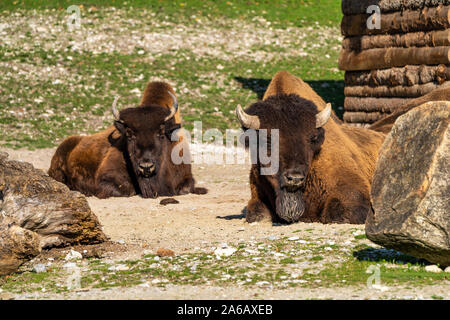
(131,157)
(385,124)
(325,167)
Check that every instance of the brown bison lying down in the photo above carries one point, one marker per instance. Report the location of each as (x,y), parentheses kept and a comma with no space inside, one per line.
(325,168)
(385,125)
(131,157)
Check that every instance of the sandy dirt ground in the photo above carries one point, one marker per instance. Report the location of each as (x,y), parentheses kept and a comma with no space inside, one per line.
(202,222)
(198,220)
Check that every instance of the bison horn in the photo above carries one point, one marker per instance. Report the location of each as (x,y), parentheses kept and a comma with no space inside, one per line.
(247,120)
(114,109)
(323,116)
(174,108)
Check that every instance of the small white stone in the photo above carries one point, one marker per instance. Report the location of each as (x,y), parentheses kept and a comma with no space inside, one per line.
(39,268)
(433,268)
(70,265)
(447,269)
(224,252)
(122,267)
(380,287)
(73,255)
(278,254)
(293,238)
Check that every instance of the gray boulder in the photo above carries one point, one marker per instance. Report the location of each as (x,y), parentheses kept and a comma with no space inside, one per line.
(34,208)
(411,186)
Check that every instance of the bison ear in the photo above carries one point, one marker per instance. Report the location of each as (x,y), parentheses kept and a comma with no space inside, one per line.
(170,127)
(120,126)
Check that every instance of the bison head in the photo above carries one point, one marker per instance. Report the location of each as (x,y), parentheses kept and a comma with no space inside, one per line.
(300,138)
(146,141)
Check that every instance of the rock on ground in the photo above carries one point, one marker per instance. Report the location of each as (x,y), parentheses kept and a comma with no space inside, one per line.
(411,186)
(38,212)
(17,245)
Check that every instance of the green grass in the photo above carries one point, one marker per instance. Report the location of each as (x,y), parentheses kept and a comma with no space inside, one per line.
(36,111)
(281,12)
(300,265)
(27,282)
(355,273)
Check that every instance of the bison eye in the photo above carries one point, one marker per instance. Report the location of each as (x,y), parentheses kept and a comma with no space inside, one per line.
(314,138)
(129,133)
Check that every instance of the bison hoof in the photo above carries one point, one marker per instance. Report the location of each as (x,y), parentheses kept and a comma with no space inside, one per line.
(257,211)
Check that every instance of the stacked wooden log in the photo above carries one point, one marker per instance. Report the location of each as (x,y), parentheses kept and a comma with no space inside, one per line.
(407,57)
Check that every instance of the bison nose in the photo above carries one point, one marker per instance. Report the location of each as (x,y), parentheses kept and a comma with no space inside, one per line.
(147,168)
(294,179)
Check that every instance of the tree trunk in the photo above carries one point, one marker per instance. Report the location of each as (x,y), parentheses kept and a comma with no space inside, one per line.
(386,105)
(414,91)
(427,19)
(416,39)
(350,7)
(17,246)
(362,117)
(406,76)
(34,201)
(358,124)
(392,57)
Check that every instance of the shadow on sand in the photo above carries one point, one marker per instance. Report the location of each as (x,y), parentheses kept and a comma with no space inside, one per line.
(387,255)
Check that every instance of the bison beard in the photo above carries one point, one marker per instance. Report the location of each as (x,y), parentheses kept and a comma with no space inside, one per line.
(146,186)
(290,206)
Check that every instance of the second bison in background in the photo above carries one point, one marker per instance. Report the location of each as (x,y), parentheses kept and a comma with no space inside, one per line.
(133,156)
(325,168)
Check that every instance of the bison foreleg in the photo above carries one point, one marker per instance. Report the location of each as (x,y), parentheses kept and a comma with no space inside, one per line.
(257,211)
(111,186)
(348,207)
(256,208)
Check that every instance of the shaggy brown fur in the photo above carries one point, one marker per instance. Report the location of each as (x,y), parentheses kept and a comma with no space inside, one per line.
(115,162)
(337,161)
(385,125)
